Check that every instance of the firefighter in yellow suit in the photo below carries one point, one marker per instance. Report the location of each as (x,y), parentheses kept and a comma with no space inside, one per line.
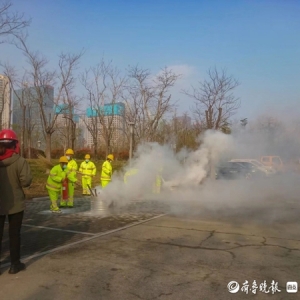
(156,189)
(129,173)
(54,182)
(72,168)
(130,176)
(88,171)
(106,171)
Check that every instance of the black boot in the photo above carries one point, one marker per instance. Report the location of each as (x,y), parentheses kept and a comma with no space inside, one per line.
(15,268)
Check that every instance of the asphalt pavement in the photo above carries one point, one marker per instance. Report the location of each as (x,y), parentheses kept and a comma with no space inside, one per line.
(145,252)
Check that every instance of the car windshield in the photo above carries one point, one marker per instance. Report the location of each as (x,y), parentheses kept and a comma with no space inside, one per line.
(257,163)
(227,165)
(246,164)
(276,160)
(234,166)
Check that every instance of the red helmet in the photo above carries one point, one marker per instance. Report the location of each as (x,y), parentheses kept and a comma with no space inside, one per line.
(7,135)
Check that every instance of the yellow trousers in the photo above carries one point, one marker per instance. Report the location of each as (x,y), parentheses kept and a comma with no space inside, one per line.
(70,200)
(53,195)
(86,181)
(104,183)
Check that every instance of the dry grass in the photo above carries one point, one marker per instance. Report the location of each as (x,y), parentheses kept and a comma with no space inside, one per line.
(43,162)
(40,169)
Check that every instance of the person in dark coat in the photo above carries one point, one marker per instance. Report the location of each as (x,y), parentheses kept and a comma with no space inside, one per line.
(15,175)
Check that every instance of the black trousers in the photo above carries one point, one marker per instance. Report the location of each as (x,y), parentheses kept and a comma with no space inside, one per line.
(14,225)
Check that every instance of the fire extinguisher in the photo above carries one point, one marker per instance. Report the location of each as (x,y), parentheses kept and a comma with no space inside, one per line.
(65,189)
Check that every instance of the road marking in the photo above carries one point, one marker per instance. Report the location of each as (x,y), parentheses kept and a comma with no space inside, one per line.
(58,229)
(83,240)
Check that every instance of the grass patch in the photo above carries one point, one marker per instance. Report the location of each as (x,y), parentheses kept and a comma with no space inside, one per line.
(40,171)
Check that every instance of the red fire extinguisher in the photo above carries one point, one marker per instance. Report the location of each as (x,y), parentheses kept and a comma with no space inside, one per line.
(65,189)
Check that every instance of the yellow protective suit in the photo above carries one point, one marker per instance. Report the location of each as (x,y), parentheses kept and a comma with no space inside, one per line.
(106,173)
(129,173)
(72,168)
(158,182)
(54,184)
(156,187)
(88,171)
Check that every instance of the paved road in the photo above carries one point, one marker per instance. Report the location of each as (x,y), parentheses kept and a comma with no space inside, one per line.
(43,231)
(166,257)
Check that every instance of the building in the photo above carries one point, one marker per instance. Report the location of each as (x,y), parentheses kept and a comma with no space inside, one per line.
(63,115)
(5,102)
(66,127)
(32,98)
(114,113)
(29,97)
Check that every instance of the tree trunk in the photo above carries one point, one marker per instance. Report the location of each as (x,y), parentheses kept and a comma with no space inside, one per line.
(23,131)
(29,144)
(48,146)
(73,136)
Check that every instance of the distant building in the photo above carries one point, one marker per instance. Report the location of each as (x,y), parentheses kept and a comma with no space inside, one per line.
(63,113)
(30,97)
(114,112)
(112,109)
(66,120)
(5,102)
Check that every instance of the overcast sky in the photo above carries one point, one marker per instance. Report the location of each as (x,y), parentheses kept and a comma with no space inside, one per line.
(258,42)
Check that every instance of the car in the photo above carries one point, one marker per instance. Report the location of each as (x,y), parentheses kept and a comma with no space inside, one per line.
(257,163)
(274,162)
(239,170)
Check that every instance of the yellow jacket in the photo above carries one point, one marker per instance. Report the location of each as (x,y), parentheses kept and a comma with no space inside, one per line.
(106,171)
(56,175)
(72,168)
(129,173)
(87,169)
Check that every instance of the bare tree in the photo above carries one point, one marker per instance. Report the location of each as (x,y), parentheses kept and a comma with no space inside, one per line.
(43,81)
(68,63)
(186,133)
(148,100)
(5,101)
(11,23)
(178,132)
(104,85)
(23,108)
(30,123)
(215,102)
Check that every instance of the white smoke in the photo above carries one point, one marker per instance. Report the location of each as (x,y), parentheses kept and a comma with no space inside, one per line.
(213,146)
(187,188)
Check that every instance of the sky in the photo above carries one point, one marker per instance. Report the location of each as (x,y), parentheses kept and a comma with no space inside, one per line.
(257,42)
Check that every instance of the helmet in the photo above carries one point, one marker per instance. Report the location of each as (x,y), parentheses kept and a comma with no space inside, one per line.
(8,135)
(69,152)
(87,156)
(110,156)
(63,159)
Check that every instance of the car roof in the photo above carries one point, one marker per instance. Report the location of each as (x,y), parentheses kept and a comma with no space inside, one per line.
(244,160)
(231,163)
(250,160)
